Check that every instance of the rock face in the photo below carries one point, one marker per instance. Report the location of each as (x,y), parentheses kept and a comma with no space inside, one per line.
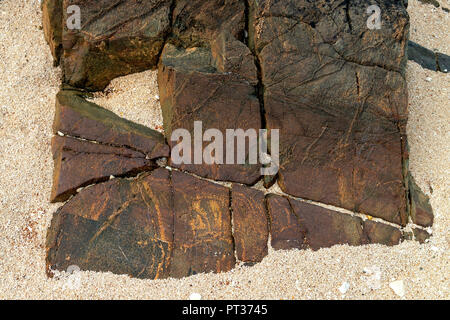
(338,95)
(97,144)
(300,225)
(197,84)
(159,225)
(115,39)
(251,229)
(334,88)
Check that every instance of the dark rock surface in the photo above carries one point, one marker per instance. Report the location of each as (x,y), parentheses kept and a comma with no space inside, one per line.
(334,88)
(80,163)
(341,109)
(193,88)
(76,117)
(250,223)
(300,225)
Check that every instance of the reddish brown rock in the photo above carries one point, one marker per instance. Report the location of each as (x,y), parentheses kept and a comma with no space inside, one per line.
(300,225)
(193,89)
(198,22)
(337,92)
(79,118)
(203,237)
(155,226)
(52,25)
(421,211)
(382,233)
(115,39)
(250,223)
(121,226)
(81,163)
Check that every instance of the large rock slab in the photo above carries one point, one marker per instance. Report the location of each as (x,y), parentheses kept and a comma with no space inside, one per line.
(122,226)
(300,225)
(203,240)
(337,92)
(201,84)
(115,39)
(80,163)
(162,224)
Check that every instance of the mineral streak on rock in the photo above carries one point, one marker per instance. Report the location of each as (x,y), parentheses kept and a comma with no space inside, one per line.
(122,226)
(203,237)
(79,118)
(214,87)
(148,227)
(116,38)
(250,223)
(337,92)
(300,225)
(81,163)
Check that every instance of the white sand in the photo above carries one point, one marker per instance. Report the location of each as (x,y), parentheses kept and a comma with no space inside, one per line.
(28,84)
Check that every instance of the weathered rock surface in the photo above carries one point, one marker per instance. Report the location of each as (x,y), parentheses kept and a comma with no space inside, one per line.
(250,223)
(200,84)
(76,117)
(159,225)
(122,226)
(300,225)
(52,25)
(80,163)
(197,22)
(203,239)
(116,39)
(336,90)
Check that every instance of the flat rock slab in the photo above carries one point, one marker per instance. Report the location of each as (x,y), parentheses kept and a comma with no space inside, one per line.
(196,85)
(300,225)
(159,225)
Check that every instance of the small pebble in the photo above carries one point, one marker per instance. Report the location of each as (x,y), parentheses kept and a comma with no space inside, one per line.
(344,287)
(398,287)
(428,79)
(195,296)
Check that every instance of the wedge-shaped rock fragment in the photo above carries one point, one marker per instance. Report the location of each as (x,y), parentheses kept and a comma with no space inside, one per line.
(197,85)
(300,225)
(250,223)
(203,240)
(76,117)
(80,163)
(337,92)
(122,226)
(115,38)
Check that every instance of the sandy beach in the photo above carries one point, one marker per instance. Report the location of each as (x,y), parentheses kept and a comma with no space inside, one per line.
(28,85)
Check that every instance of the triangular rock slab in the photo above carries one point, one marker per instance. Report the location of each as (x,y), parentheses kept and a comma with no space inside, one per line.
(97,144)
(79,118)
(147,227)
